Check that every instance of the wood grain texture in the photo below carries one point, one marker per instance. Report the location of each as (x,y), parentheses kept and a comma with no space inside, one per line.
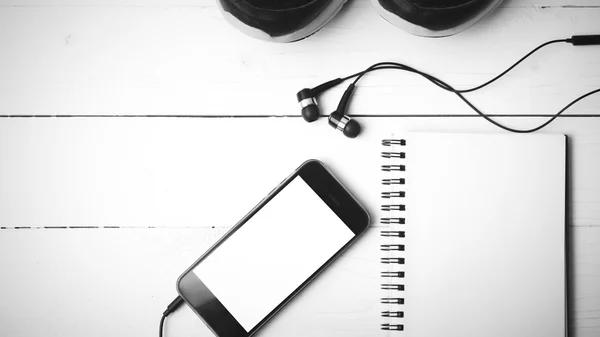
(63,58)
(204,172)
(209,3)
(184,176)
(117,282)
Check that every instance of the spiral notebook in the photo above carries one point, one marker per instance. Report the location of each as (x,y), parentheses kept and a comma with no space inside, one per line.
(474,235)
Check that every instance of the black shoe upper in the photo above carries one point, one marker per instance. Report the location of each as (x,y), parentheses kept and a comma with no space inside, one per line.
(275,17)
(436,15)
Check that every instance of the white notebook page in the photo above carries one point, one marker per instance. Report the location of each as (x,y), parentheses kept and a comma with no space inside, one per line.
(485,235)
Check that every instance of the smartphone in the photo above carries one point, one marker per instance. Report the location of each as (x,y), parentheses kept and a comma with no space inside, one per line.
(273,252)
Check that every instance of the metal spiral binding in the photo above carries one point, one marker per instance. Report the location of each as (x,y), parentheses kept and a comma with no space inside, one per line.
(392,287)
(395,327)
(393,284)
(392,221)
(392,247)
(392,300)
(389,168)
(398,274)
(392,314)
(396,260)
(393,154)
(390,142)
(388,208)
(398,181)
(399,234)
(397,194)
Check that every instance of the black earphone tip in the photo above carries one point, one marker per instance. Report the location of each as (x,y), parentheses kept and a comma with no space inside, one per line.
(310,113)
(304,93)
(349,127)
(310,110)
(352,129)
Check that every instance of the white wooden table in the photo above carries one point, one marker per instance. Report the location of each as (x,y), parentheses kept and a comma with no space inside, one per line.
(134,133)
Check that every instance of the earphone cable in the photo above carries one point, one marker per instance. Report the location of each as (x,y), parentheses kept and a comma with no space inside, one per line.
(513,66)
(161,325)
(448,87)
(306,97)
(539,127)
(176,303)
(383,65)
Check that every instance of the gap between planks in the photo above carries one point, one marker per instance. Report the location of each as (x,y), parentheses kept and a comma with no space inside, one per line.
(298,116)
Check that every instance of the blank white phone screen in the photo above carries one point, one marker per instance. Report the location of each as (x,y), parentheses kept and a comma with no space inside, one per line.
(273,253)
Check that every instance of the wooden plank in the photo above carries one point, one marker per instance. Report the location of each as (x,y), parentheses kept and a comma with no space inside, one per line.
(92,282)
(117,282)
(204,172)
(188,60)
(585,282)
(203,3)
(100,282)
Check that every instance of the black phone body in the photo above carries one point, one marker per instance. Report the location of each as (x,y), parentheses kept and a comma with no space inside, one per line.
(273,252)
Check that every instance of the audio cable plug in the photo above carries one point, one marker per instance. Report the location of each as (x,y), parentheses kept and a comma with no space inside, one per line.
(175,304)
(584,40)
